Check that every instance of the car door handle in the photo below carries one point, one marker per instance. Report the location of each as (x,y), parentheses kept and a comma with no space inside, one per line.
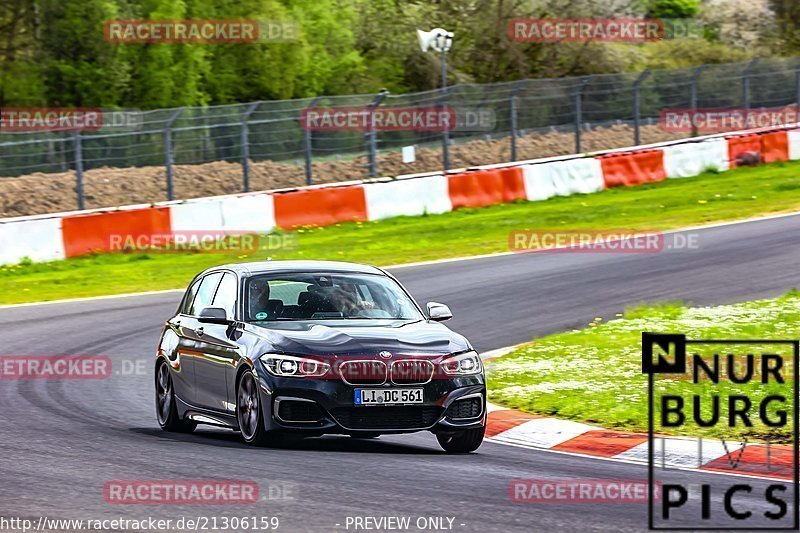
(199,332)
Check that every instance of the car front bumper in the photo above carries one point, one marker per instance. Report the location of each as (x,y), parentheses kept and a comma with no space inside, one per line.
(339,414)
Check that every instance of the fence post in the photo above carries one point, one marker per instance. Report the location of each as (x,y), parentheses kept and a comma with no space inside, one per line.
(245,142)
(372,136)
(307,142)
(168,151)
(513,110)
(445,133)
(797,93)
(637,106)
(746,84)
(579,111)
(693,95)
(79,170)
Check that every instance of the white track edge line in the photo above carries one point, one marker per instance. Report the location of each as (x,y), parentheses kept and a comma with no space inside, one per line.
(427,263)
(92,298)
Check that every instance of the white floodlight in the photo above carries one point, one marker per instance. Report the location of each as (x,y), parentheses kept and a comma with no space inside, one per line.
(438,39)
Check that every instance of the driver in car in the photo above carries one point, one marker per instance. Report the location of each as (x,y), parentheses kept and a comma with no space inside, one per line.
(258,297)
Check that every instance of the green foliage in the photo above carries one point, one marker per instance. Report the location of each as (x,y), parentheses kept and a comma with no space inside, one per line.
(787,13)
(54,51)
(672,9)
(682,53)
(541,377)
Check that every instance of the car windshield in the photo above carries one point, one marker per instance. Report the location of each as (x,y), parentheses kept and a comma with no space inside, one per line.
(322,296)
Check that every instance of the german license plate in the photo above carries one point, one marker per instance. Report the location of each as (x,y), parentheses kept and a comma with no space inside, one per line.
(387,396)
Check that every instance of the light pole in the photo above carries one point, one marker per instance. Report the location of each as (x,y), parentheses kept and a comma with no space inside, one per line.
(440,41)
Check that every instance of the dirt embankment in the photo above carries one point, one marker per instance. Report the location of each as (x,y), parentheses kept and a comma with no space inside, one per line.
(107,187)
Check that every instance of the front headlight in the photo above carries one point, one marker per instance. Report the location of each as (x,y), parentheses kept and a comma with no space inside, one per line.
(290,366)
(465,364)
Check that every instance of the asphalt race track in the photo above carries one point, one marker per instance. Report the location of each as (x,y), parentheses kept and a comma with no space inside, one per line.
(62,440)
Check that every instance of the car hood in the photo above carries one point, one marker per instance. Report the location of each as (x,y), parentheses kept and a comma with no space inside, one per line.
(362,338)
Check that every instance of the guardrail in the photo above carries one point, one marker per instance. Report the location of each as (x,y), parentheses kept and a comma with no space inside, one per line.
(246,134)
(65,235)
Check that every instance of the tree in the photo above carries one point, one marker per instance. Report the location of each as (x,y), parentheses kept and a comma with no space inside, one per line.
(740,23)
(672,9)
(21,78)
(787,14)
(166,74)
(79,67)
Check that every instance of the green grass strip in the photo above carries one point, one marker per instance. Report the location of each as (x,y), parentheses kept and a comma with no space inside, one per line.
(737,194)
(595,375)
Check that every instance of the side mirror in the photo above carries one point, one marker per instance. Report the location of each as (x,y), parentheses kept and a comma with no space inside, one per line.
(439,312)
(213,315)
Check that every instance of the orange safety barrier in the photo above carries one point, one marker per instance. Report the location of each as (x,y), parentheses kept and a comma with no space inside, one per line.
(486,187)
(744,149)
(106,232)
(320,207)
(633,168)
(775,147)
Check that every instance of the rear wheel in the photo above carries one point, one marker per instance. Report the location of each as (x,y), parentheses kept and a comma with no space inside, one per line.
(248,410)
(461,441)
(166,408)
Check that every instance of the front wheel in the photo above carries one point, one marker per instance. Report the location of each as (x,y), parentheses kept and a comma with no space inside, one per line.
(248,410)
(166,408)
(462,441)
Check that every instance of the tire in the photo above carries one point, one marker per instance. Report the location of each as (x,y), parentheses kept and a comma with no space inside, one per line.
(462,442)
(166,407)
(249,412)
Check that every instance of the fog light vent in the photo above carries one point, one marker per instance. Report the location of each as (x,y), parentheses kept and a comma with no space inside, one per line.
(297,410)
(466,408)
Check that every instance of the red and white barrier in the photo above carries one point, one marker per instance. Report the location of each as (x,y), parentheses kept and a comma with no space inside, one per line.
(411,197)
(691,159)
(252,213)
(794,144)
(479,188)
(774,147)
(633,168)
(37,239)
(65,235)
(320,206)
(563,178)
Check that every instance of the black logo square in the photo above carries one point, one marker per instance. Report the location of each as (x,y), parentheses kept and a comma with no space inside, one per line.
(670,350)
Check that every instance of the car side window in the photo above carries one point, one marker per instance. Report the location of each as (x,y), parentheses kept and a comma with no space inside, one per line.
(189,298)
(205,294)
(226,295)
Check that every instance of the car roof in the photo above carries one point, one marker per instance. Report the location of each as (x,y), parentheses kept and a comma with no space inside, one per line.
(265,267)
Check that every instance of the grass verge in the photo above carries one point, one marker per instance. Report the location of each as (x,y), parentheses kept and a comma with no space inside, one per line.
(594,375)
(737,194)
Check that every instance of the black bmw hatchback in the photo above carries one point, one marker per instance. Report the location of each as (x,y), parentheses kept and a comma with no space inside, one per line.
(316,347)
